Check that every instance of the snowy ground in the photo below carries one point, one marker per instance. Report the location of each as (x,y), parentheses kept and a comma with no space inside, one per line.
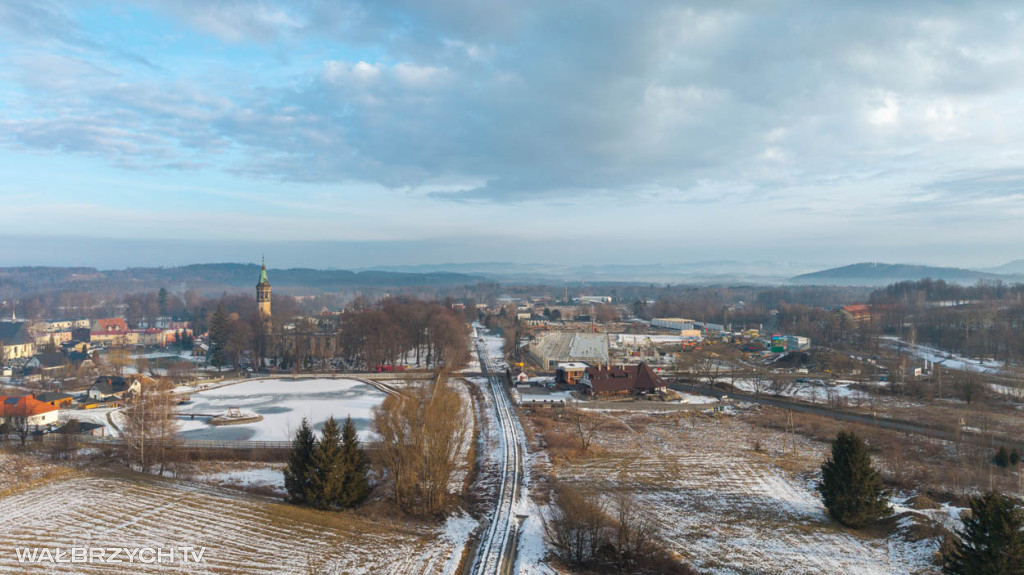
(261,475)
(95,415)
(728,508)
(242,534)
(282,403)
(943,358)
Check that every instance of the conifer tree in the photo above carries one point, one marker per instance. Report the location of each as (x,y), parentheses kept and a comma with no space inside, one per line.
(991,542)
(850,487)
(355,465)
(300,464)
(218,337)
(327,481)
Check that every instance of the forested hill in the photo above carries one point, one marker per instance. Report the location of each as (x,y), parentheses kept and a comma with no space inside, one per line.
(876,274)
(210,277)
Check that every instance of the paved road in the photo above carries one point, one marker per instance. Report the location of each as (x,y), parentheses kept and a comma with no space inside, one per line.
(883,422)
(496,552)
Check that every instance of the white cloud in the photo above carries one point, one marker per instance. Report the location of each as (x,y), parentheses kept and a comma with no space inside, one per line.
(885,112)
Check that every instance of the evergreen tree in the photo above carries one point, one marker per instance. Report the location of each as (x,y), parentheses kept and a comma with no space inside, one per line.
(218,337)
(300,464)
(161,298)
(991,542)
(1014,457)
(328,479)
(850,487)
(356,482)
(1002,458)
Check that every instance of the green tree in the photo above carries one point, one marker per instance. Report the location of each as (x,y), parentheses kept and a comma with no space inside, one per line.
(850,487)
(218,337)
(300,464)
(327,482)
(991,542)
(355,465)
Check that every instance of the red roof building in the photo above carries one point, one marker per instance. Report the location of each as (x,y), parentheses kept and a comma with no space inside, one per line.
(39,413)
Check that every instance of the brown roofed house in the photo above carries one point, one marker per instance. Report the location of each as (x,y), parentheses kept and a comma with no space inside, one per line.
(618,381)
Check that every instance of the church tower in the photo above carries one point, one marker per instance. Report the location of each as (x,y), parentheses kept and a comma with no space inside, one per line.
(263,294)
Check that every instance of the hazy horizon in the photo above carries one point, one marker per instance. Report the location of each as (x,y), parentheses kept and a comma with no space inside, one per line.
(119,254)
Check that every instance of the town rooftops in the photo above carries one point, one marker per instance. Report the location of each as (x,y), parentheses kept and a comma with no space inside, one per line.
(573,365)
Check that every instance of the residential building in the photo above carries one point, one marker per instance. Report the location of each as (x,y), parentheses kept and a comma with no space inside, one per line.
(38,414)
(107,386)
(570,372)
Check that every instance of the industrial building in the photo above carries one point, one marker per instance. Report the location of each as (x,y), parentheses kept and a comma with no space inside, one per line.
(672,323)
(798,343)
(550,349)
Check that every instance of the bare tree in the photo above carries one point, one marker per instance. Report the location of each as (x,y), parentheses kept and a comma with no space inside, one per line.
(150,427)
(422,432)
(117,360)
(578,525)
(637,532)
(584,425)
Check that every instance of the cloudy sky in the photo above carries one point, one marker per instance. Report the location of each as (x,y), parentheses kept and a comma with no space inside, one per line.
(336,133)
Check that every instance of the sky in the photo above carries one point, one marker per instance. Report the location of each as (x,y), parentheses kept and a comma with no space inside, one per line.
(351,134)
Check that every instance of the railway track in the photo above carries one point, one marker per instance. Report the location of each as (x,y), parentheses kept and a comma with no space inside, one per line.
(496,551)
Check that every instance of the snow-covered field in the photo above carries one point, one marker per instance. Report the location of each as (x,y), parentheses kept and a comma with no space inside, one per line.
(242,534)
(728,508)
(282,403)
(807,391)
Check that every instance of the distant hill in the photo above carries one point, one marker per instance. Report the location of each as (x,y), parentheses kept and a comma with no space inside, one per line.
(1015,268)
(215,277)
(717,271)
(877,274)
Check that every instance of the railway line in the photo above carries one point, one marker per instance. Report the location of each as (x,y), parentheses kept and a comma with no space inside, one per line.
(496,551)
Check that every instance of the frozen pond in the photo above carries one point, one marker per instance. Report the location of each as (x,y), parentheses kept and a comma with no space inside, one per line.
(282,403)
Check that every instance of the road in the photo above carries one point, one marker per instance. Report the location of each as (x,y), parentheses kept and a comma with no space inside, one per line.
(863,418)
(496,552)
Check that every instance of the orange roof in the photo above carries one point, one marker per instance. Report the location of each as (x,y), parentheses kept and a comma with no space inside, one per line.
(110,324)
(23,406)
(857,309)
